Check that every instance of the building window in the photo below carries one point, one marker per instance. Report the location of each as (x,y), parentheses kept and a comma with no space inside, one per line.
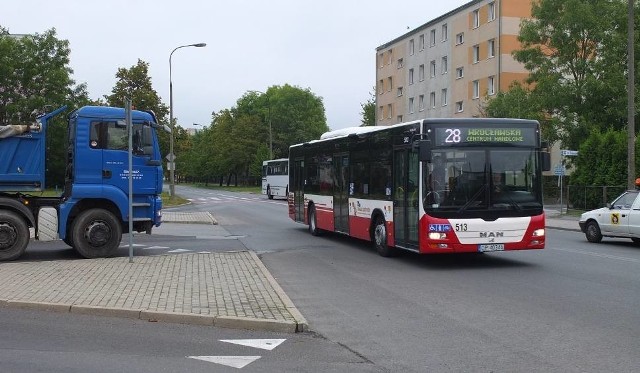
(410,76)
(445,32)
(491,52)
(444,97)
(476,89)
(400,63)
(432,100)
(390,57)
(411,47)
(460,38)
(445,65)
(476,18)
(492,11)
(432,38)
(421,73)
(422,42)
(389,111)
(411,105)
(399,119)
(390,80)
(432,68)
(459,107)
(400,91)
(476,53)
(381,60)
(381,113)
(421,102)
(459,72)
(491,85)
(381,87)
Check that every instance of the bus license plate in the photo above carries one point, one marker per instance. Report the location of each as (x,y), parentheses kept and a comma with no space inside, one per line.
(491,247)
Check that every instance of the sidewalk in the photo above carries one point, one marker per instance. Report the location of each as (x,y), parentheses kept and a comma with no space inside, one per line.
(228,289)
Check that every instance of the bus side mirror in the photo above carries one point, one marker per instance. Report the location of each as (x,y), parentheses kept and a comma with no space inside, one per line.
(424,148)
(546,161)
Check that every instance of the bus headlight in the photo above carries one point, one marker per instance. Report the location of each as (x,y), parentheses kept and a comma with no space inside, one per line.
(437,236)
(538,232)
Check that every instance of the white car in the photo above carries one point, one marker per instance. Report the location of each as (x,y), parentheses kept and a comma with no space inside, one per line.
(619,219)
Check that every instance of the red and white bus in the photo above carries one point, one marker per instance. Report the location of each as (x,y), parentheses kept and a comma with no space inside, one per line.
(275,178)
(430,186)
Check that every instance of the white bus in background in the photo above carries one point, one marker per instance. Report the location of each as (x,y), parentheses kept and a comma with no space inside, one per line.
(275,178)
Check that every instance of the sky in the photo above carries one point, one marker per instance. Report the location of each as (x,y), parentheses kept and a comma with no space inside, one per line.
(327,46)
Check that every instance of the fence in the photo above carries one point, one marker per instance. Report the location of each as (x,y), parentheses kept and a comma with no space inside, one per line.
(580,197)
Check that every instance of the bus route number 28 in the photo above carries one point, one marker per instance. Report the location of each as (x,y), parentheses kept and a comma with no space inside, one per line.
(453,135)
(461,227)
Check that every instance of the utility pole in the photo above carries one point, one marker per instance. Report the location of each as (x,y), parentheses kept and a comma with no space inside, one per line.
(631,107)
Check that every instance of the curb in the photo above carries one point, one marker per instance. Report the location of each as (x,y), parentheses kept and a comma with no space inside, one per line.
(301,322)
(230,322)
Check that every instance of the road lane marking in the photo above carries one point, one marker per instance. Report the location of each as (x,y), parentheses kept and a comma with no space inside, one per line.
(608,256)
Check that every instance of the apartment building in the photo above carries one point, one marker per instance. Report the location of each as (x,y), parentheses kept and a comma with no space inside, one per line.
(450,66)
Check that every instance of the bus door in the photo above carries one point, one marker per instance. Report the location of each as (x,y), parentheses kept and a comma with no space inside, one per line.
(297,185)
(405,197)
(341,193)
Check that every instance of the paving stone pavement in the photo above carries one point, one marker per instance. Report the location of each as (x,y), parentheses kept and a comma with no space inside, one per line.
(231,289)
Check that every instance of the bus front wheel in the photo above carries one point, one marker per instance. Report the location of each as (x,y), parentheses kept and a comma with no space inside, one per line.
(313,222)
(380,238)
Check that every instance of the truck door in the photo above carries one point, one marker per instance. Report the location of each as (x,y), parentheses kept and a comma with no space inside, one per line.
(115,159)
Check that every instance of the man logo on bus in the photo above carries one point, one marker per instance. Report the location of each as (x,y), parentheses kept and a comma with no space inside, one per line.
(491,234)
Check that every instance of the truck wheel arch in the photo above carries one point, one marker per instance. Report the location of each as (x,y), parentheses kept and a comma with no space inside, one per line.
(19,208)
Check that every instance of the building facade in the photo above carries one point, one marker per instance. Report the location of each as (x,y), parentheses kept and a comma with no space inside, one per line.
(451,65)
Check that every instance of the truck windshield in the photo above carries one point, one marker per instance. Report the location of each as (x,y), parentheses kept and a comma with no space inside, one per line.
(481,180)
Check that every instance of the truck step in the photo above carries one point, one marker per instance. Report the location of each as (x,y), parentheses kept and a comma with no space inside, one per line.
(141,219)
(141,204)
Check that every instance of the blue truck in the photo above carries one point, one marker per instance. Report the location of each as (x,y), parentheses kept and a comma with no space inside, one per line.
(92,211)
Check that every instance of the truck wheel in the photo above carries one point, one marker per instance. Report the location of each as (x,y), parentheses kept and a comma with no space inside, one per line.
(14,235)
(592,231)
(380,238)
(96,234)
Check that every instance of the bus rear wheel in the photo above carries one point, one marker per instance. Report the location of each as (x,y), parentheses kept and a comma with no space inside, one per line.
(380,238)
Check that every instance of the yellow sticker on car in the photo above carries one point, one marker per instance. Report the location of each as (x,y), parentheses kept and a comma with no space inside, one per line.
(615,218)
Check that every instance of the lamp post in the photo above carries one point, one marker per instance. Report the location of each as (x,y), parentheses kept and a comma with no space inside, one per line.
(172,185)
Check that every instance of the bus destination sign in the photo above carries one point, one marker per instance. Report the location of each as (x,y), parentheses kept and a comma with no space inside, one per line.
(451,136)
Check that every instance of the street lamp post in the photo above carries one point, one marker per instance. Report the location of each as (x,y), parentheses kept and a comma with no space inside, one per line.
(172,185)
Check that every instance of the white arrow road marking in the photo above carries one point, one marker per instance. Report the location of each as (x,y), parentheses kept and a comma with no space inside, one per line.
(230,361)
(265,344)
(179,251)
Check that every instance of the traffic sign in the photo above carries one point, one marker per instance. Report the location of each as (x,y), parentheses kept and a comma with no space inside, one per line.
(559,170)
(568,153)
(171,157)
(171,166)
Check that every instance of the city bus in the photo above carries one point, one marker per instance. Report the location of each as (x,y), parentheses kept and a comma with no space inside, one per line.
(380,184)
(275,178)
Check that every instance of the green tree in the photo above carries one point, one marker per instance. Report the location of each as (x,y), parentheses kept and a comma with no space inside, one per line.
(574,51)
(369,110)
(35,77)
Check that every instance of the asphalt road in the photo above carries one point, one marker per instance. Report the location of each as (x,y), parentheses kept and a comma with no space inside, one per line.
(573,307)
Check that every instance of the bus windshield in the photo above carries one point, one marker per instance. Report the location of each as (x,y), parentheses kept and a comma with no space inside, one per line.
(465,180)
